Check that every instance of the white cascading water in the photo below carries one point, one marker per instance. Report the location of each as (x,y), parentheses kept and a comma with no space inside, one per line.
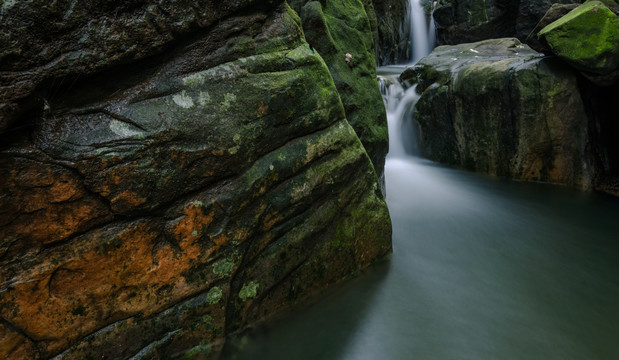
(420,30)
(399,102)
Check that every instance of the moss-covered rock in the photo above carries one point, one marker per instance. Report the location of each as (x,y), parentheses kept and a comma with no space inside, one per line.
(553,14)
(587,38)
(154,208)
(505,110)
(338,28)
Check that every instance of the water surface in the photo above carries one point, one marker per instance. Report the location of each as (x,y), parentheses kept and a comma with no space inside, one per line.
(482,268)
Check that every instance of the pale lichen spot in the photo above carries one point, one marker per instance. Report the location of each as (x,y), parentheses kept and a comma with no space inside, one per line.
(271,167)
(214,295)
(183,100)
(229,99)
(249,291)
(203,98)
(124,130)
(233,150)
(223,267)
(194,80)
(194,233)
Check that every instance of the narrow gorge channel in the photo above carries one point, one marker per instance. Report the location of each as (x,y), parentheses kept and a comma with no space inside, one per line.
(482,268)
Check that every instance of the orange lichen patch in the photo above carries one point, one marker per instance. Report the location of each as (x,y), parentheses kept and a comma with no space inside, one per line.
(271,219)
(108,276)
(262,109)
(13,345)
(220,240)
(47,203)
(130,198)
(192,224)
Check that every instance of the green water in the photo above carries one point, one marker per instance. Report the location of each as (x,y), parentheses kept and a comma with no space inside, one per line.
(481,269)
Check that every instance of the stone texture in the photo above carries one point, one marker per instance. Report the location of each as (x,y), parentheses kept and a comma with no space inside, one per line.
(393,36)
(506,111)
(337,28)
(553,14)
(163,202)
(530,12)
(462,21)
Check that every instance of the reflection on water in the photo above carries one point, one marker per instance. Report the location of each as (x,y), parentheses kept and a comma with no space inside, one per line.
(482,269)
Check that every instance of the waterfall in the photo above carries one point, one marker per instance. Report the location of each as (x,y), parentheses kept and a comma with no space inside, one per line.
(421,30)
(399,102)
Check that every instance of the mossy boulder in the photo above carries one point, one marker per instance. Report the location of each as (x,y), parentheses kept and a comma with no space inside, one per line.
(553,14)
(506,110)
(338,28)
(587,38)
(157,206)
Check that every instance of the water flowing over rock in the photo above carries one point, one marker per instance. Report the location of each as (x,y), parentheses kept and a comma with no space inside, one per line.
(174,172)
(505,110)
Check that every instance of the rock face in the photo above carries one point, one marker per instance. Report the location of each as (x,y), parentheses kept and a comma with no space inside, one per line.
(153,202)
(587,38)
(505,110)
(337,28)
(393,40)
(460,21)
(530,12)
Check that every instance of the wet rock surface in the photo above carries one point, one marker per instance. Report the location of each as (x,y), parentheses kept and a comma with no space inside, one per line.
(155,204)
(587,38)
(506,110)
(463,21)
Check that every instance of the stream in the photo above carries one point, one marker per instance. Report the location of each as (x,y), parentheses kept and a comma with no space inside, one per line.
(482,268)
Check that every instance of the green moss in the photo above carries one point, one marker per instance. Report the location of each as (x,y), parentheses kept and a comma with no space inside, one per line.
(587,37)
(203,348)
(223,267)
(249,291)
(214,295)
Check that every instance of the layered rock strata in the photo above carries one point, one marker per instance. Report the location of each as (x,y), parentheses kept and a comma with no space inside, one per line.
(170,174)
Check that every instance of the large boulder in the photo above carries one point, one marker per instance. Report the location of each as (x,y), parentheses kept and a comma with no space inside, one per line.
(155,204)
(505,110)
(588,39)
(553,14)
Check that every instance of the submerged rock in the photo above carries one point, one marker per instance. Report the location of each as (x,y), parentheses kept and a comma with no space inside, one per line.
(159,205)
(505,110)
